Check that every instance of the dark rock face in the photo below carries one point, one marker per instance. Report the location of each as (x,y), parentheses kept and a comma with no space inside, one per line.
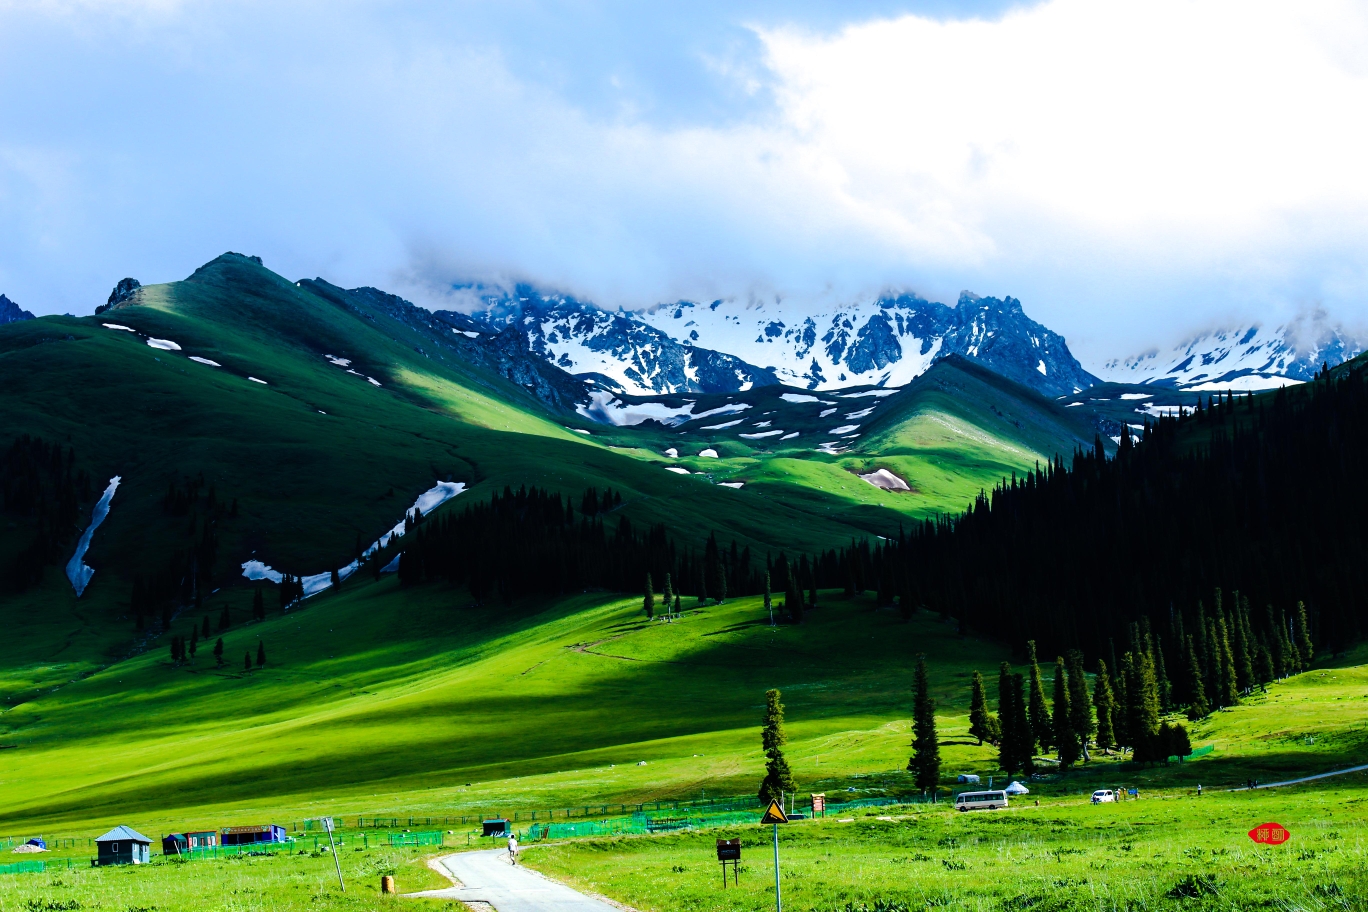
(999,335)
(707,348)
(122,292)
(616,350)
(11,312)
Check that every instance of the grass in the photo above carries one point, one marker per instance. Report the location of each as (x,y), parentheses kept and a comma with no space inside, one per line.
(1171,852)
(306,882)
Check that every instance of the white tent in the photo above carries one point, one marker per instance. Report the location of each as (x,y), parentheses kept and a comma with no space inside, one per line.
(1016,788)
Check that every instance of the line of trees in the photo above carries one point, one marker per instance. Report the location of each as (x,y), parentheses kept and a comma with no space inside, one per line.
(42,490)
(1123,710)
(1262,493)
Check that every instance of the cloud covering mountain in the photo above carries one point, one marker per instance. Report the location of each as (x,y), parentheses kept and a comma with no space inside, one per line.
(1112,162)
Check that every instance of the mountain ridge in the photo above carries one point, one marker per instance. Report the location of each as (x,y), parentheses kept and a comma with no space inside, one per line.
(11,312)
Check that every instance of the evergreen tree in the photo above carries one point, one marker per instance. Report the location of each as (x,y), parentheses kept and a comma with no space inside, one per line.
(1305,651)
(1142,711)
(678,609)
(261,654)
(1161,676)
(812,593)
(1038,711)
(668,600)
(1080,706)
(982,724)
(194,643)
(648,603)
(1230,691)
(1198,709)
(175,649)
(1104,701)
(778,777)
(1023,750)
(204,630)
(925,760)
(1065,738)
(793,599)
(1240,647)
(247,661)
(218,651)
(1006,718)
(769,598)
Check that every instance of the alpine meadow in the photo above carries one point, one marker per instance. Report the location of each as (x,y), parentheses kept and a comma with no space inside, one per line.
(894,457)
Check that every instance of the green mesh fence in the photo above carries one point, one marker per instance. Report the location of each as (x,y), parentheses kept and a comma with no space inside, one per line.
(416,839)
(24,867)
(1199,752)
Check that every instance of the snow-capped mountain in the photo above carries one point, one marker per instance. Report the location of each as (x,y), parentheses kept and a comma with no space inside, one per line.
(728,346)
(1247,358)
(11,312)
(884,342)
(616,350)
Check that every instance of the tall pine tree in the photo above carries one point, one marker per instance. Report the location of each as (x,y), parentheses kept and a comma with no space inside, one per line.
(1080,706)
(778,777)
(1065,738)
(925,760)
(648,601)
(982,724)
(1104,701)
(1038,711)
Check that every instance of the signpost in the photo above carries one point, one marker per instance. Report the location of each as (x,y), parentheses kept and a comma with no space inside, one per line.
(1270,834)
(775,814)
(819,804)
(328,825)
(729,850)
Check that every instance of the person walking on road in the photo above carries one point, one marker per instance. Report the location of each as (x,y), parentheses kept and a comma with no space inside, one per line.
(512,849)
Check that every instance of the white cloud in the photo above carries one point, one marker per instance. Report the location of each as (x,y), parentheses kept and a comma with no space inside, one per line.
(1127,169)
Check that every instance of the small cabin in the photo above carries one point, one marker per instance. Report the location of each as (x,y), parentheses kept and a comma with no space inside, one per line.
(123,845)
(252,835)
(498,826)
(182,843)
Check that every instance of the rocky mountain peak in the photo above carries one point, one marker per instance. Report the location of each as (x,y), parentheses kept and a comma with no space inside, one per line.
(11,312)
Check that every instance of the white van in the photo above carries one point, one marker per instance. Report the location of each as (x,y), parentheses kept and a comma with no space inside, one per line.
(1103,796)
(980,801)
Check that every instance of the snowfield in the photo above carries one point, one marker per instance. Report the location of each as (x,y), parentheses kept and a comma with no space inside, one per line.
(163,345)
(428,501)
(118,326)
(200,360)
(886,480)
(76,570)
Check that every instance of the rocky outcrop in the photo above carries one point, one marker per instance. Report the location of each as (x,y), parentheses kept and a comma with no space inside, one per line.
(123,291)
(11,312)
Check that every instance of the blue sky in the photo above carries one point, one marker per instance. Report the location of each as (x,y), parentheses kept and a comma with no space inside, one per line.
(1134,172)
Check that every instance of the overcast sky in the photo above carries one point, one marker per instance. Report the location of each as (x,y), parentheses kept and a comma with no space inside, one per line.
(1132,171)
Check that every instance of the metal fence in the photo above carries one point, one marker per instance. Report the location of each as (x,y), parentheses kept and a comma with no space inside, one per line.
(24,867)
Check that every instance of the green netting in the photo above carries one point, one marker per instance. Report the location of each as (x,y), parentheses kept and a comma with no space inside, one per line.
(24,867)
(416,839)
(1199,752)
(255,848)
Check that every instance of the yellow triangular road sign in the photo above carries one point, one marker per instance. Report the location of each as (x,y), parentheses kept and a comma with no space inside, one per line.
(774,814)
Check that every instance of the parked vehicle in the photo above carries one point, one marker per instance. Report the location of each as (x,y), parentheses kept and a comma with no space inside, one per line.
(1103,796)
(980,801)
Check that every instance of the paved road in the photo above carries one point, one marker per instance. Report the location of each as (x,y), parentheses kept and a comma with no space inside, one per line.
(488,877)
(1269,785)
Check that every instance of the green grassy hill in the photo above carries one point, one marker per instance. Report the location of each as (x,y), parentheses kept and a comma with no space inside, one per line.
(318,457)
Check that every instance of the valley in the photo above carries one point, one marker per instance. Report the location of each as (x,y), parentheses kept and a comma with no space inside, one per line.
(261,426)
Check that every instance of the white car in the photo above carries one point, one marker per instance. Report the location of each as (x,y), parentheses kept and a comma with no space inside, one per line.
(1103,796)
